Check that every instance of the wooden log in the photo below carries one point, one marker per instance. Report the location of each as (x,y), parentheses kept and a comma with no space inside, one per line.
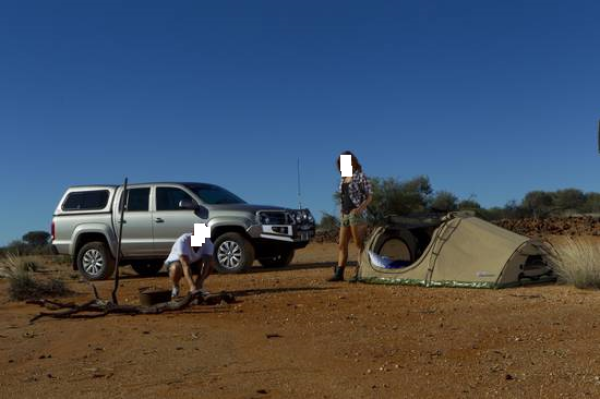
(99,308)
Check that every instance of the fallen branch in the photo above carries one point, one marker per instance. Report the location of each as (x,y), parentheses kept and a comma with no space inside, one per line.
(99,308)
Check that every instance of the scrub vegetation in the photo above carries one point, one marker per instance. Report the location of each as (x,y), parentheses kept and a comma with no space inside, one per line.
(23,284)
(392,196)
(578,262)
(31,243)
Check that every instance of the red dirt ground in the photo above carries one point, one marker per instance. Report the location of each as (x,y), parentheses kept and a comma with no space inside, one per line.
(292,335)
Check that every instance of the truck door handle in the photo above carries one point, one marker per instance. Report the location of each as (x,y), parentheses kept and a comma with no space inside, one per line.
(159,220)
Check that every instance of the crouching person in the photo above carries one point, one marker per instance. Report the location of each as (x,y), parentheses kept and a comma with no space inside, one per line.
(184,261)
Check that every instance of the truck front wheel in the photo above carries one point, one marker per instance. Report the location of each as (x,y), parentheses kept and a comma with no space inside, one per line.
(95,262)
(233,253)
(283,259)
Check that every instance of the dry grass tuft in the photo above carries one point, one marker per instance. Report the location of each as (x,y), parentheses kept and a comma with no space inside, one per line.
(577,262)
(23,285)
(12,266)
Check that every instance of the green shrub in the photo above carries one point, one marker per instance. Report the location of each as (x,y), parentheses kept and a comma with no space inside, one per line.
(329,222)
(538,203)
(592,203)
(569,199)
(444,201)
(394,197)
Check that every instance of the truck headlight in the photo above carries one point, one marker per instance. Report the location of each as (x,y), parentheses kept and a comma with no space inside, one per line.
(307,216)
(302,216)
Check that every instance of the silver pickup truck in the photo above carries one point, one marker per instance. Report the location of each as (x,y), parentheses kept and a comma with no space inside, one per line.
(85,226)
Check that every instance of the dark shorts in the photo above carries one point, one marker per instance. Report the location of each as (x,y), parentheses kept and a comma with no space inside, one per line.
(194,267)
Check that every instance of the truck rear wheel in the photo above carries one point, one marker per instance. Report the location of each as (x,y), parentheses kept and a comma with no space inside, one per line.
(283,259)
(233,253)
(95,262)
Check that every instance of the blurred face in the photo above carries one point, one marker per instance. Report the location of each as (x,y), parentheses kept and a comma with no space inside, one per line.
(201,233)
(346,165)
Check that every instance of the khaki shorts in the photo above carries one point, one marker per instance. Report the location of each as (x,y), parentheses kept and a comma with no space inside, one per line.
(352,220)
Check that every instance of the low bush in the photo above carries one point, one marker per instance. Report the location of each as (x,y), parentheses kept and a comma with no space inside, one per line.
(23,285)
(578,262)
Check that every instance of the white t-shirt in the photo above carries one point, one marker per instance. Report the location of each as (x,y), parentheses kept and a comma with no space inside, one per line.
(183,246)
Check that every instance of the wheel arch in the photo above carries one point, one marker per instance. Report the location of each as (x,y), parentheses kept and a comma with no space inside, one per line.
(219,230)
(85,237)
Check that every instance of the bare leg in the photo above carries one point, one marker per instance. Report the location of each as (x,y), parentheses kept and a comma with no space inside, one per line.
(358,235)
(206,266)
(175,274)
(187,273)
(343,246)
(338,274)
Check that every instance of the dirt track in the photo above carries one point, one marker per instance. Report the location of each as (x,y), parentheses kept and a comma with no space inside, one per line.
(292,335)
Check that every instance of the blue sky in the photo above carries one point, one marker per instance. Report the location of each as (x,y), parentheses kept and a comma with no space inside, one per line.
(491,98)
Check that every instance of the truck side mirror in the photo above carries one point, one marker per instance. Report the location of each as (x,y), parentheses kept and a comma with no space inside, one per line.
(192,205)
(188,204)
(201,212)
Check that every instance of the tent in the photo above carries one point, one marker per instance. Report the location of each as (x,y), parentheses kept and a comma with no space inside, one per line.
(460,250)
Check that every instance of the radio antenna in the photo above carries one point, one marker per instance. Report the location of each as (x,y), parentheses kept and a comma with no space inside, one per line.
(299,188)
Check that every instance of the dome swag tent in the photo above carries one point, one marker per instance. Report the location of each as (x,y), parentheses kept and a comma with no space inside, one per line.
(459,250)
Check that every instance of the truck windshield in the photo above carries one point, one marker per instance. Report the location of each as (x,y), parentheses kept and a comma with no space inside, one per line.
(214,195)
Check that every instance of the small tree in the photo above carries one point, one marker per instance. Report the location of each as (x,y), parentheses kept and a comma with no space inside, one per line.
(444,201)
(36,238)
(469,205)
(592,203)
(569,199)
(494,213)
(538,203)
(394,197)
(329,222)
(512,210)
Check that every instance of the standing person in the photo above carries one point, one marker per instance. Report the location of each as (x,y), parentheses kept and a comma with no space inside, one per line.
(185,261)
(356,194)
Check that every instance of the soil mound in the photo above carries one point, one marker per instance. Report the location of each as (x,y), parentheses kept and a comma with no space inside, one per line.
(576,225)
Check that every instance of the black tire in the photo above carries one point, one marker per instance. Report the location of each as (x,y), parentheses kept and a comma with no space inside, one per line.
(95,262)
(398,244)
(146,268)
(233,253)
(282,260)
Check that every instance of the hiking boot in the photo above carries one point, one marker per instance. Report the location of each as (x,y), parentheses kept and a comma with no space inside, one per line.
(338,275)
